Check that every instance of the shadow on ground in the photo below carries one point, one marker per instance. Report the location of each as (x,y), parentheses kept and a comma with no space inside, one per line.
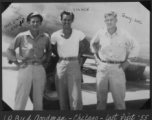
(130,105)
(51,104)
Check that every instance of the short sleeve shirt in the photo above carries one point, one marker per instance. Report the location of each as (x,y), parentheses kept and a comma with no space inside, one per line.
(30,49)
(67,47)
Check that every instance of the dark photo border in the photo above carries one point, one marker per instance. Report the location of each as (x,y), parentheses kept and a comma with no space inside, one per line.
(144,113)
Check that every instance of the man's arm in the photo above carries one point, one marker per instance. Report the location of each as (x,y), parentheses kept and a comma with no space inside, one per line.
(94,46)
(97,59)
(11,53)
(132,52)
(54,49)
(48,54)
(134,49)
(84,45)
(94,43)
(53,44)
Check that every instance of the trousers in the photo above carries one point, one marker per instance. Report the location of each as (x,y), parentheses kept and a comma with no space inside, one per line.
(110,78)
(68,84)
(29,76)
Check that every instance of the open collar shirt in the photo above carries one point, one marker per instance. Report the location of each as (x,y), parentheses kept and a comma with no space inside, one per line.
(30,49)
(117,47)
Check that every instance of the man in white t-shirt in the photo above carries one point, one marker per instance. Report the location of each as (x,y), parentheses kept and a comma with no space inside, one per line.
(68,73)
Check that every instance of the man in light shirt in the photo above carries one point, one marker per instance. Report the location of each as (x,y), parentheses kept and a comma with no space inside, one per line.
(112,58)
(34,48)
(68,73)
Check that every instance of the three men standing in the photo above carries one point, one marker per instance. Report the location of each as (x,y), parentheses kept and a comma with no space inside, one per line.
(112,57)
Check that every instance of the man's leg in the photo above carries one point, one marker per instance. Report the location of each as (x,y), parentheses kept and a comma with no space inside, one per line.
(61,85)
(23,87)
(39,80)
(117,83)
(74,85)
(102,88)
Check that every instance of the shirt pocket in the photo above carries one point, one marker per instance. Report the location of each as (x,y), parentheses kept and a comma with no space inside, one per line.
(120,44)
(104,41)
(119,48)
(40,46)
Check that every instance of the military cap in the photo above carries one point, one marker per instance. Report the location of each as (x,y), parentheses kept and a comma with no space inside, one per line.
(33,14)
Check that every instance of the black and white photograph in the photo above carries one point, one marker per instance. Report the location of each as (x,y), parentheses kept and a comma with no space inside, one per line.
(75,56)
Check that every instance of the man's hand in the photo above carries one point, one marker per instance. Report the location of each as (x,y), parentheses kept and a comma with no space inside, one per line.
(20,64)
(124,65)
(46,64)
(97,59)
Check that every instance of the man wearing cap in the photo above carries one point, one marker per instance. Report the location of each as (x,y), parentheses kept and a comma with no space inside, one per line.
(113,59)
(68,75)
(34,48)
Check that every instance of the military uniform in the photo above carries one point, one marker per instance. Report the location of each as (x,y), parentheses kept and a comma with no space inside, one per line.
(31,52)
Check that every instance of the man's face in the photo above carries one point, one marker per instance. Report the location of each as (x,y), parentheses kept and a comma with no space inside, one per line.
(66,21)
(35,23)
(110,21)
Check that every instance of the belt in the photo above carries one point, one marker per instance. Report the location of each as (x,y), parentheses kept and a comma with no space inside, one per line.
(112,62)
(33,62)
(68,58)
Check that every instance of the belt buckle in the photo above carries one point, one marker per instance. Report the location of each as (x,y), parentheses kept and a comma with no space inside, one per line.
(35,63)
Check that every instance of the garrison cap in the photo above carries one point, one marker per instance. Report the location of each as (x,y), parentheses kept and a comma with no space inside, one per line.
(33,14)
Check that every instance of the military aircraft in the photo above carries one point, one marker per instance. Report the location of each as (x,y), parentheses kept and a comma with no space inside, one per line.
(89,18)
